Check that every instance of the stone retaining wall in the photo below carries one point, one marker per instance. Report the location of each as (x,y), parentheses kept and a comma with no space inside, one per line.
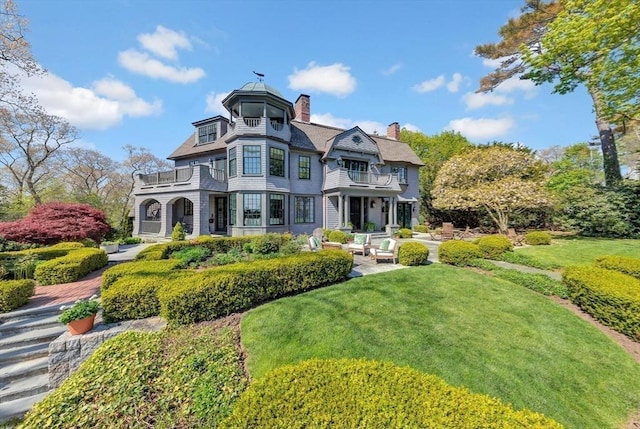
(67,352)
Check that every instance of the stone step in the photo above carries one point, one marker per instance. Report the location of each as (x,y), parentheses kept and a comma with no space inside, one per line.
(17,326)
(18,407)
(29,313)
(30,351)
(45,335)
(24,387)
(22,369)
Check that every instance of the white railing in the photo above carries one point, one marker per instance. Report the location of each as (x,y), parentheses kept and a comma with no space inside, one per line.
(164,177)
(218,175)
(368,178)
(252,122)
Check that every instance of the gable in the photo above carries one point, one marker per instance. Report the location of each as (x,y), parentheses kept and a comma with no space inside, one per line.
(353,141)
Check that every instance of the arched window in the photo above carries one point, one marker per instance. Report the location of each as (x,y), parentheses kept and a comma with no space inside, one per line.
(153,210)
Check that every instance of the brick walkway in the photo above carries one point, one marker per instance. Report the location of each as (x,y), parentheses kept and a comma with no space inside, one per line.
(67,292)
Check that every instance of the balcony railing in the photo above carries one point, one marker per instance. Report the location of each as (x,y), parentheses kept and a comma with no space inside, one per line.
(252,122)
(164,177)
(150,226)
(218,175)
(368,178)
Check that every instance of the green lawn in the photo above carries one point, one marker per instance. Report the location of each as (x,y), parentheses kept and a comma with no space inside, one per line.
(581,250)
(470,329)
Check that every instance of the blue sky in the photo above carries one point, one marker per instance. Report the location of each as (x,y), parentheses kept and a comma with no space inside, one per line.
(140,72)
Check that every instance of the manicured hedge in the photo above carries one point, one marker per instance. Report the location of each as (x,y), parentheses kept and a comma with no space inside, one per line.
(177,378)
(349,393)
(493,246)
(630,266)
(337,237)
(15,294)
(216,245)
(413,253)
(610,296)
(405,233)
(421,228)
(458,252)
(224,290)
(187,296)
(142,268)
(69,268)
(537,238)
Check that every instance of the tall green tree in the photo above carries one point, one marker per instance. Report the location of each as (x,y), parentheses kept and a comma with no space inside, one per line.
(575,42)
(499,180)
(434,151)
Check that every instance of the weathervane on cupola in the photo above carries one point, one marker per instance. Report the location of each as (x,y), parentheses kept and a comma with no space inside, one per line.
(260,76)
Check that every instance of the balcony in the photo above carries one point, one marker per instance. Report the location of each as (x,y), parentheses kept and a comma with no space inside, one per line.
(260,126)
(185,178)
(343,178)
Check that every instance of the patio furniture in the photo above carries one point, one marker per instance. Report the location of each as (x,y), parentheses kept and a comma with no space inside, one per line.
(447,231)
(360,244)
(331,245)
(315,244)
(516,239)
(388,249)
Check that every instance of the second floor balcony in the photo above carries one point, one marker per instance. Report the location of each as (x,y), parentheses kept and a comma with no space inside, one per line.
(344,178)
(182,178)
(263,126)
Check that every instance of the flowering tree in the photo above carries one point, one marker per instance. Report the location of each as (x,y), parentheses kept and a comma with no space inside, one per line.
(55,222)
(500,180)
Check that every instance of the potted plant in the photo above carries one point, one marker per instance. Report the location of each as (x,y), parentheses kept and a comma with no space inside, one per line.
(110,246)
(80,316)
(370,226)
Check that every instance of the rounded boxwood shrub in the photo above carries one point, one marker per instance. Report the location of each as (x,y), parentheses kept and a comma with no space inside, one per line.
(15,293)
(537,238)
(405,233)
(493,246)
(413,253)
(457,252)
(350,393)
(266,244)
(421,228)
(337,237)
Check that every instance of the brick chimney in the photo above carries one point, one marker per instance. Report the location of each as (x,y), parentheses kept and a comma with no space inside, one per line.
(393,131)
(303,108)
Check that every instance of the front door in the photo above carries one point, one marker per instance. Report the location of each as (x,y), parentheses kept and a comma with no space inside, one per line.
(404,215)
(221,214)
(354,212)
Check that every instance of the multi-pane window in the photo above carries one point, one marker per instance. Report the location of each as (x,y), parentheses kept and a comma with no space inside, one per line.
(304,210)
(188,207)
(276,162)
(232,162)
(252,209)
(251,160)
(152,211)
(233,204)
(401,172)
(304,167)
(276,209)
(207,133)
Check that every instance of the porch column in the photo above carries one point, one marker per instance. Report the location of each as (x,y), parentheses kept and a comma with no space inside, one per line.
(165,220)
(340,210)
(362,210)
(347,211)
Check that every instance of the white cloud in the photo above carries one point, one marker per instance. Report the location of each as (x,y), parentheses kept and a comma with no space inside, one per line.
(476,100)
(214,103)
(515,84)
(334,79)
(411,127)
(429,85)
(164,42)
(493,64)
(391,70)
(98,108)
(481,128)
(142,63)
(369,127)
(454,84)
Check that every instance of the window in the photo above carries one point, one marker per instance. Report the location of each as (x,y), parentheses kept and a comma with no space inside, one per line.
(252,210)
(276,162)
(276,209)
(304,167)
(304,209)
(251,160)
(152,211)
(188,207)
(232,162)
(233,201)
(401,172)
(194,163)
(252,109)
(207,133)
(353,165)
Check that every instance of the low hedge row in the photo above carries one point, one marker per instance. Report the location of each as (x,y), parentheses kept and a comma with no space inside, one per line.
(610,296)
(413,253)
(626,265)
(350,393)
(15,293)
(185,296)
(69,268)
(142,268)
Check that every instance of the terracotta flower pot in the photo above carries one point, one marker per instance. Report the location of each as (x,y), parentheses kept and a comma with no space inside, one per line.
(77,327)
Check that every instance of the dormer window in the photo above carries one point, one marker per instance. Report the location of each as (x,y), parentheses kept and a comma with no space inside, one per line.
(207,133)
